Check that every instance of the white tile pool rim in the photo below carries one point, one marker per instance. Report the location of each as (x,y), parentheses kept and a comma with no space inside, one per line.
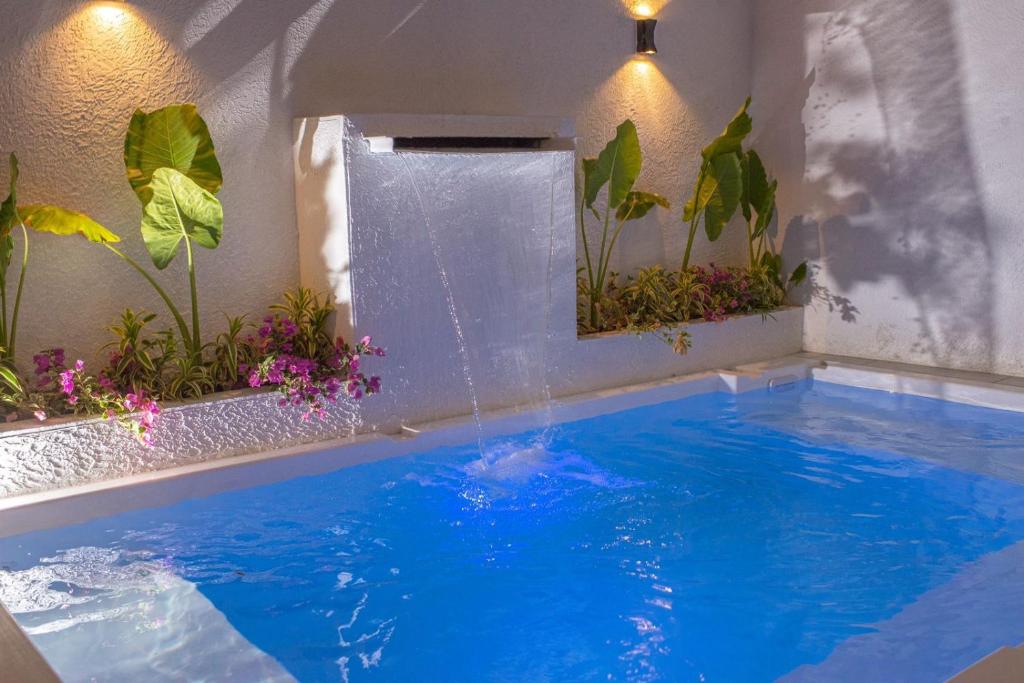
(75,504)
(60,507)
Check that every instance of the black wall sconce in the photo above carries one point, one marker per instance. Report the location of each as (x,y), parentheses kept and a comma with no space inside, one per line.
(645,37)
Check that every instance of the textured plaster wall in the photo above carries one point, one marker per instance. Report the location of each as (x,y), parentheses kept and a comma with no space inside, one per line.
(894,128)
(73,72)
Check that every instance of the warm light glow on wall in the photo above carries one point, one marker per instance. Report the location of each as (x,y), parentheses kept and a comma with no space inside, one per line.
(109,14)
(644,9)
(641,67)
(640,88)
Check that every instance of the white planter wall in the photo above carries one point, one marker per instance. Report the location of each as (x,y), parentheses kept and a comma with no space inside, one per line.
(68,451)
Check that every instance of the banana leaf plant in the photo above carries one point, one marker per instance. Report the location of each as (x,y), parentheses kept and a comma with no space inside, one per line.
(18,219)
(615,170)
(719,185)
(757,202)
(172,166)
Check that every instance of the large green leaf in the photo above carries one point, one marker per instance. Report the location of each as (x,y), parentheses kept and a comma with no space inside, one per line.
(173,137)
(766,209)
(731,139)
(592,182)
(798,275)
(756,181)
(8,216)
(180,209)
(720,194)
(54,219)
(638,204)
(618,165)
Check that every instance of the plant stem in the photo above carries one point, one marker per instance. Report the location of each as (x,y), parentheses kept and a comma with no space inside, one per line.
(615,236)
(3,320)
(750,244)
(182,327)
(17,296)
(696,214)
(601,265)
(586,256)
(196,339)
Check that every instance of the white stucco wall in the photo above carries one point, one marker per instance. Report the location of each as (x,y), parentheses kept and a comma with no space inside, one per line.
(894,128)
(74,71)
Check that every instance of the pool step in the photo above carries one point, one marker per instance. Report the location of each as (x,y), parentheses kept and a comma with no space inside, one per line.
(1005,665)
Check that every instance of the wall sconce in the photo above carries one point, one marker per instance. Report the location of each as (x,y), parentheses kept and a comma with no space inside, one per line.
(645,37)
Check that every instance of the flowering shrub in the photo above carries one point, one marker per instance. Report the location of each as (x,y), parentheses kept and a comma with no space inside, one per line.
(655,298)
(313,382)
(291,351)
(61,390)
(295,354)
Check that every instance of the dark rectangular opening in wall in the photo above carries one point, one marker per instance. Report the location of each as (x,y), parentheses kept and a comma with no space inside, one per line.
(468,143)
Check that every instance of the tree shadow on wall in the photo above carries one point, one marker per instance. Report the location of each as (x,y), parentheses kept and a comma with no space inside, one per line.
(886,172)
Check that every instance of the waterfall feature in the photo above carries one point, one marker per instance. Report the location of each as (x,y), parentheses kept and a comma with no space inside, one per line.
(444,238)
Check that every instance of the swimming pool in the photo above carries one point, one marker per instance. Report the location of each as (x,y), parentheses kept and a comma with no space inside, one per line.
(818,532)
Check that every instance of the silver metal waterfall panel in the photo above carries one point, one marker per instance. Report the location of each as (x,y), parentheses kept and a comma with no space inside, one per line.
(459,260)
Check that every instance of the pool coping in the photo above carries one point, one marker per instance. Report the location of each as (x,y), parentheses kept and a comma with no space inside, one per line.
(76,504)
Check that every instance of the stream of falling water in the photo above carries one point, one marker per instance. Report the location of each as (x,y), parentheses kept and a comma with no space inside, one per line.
(527,361)
(460,336)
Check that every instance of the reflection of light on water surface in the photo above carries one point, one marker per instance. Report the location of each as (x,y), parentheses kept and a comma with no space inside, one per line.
(109,614)
(519,462)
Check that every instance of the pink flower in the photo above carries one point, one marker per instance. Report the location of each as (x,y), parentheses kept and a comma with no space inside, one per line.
(67,381)
(42,361)
(79,365)
(366,341)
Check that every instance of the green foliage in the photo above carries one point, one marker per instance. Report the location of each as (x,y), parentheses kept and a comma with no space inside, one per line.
(12,388)
(730,179)
(173,137)
(310,314)
(615,171)
(138,361)
(58,221)
(617,166)
(229,353)
(41,218)
(719,187)
(179,210)
(655,300)
(171,164)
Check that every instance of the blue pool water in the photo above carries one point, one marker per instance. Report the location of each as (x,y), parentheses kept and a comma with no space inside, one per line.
(820,533)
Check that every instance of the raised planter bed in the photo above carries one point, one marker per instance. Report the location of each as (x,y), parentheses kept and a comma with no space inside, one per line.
(36,456)
(69,451)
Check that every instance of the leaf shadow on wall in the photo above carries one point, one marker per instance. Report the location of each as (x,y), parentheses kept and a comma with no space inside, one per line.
(887,191)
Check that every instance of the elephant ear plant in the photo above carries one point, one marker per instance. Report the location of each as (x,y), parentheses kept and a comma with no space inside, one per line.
(719,186)
(173,169)
(730,179)
(17,220)
(757,202)
(615,170)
